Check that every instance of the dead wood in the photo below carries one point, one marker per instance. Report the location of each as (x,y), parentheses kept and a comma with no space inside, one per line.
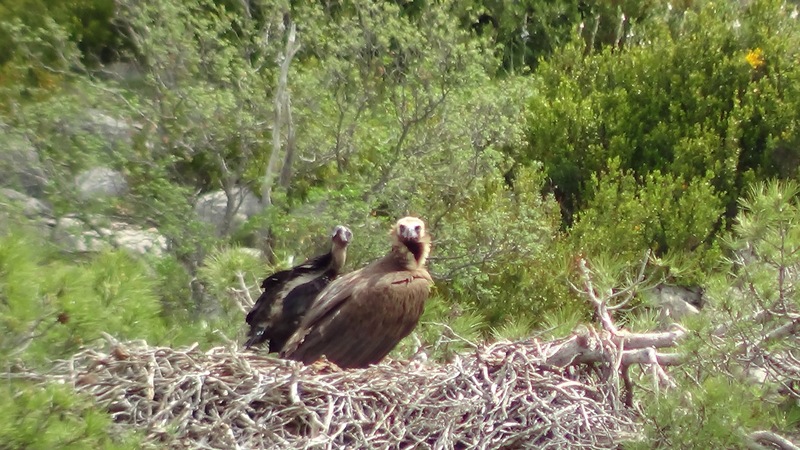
(505,395)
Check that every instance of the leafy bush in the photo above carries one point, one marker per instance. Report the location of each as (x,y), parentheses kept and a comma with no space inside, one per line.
(716,414)
(693,100)
(87,23)
(51,307)
(675,218)
(734,379)
(54,416)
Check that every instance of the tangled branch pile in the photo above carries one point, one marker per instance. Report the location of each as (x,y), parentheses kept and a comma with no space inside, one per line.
(503,395)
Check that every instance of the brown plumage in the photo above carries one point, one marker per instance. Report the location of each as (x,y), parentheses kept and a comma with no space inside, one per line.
(288,294)
(359,318)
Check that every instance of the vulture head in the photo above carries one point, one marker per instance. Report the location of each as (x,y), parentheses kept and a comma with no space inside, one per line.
(340,238)
(341,235)
(411,240)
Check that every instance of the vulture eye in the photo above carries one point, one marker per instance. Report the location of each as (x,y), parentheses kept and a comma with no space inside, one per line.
(402,229)
(417,229)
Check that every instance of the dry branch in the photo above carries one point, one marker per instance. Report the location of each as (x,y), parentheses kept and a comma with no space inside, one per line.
(757,438)
(616,347)
(505,395)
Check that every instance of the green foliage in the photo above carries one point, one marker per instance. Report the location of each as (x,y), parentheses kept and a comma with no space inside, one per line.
(688,104)
(557,323)
(229,275)
(173,283)
(768,222)
(525,32)
(720,399)
(665,213)
(513,330)
(207,89)
(39,65)
(87,23)
(54,416)
(764,253)
(51,307)
(516,227)
(715,414)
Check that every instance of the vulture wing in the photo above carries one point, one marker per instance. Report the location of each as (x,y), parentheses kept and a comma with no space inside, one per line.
(361,317)
(286,296)
(293,308)
(276,281)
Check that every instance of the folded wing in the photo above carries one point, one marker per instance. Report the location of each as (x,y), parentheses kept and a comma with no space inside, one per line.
(288,294)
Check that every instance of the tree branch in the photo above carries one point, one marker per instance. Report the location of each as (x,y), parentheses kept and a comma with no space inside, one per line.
(281,102)
(769,438)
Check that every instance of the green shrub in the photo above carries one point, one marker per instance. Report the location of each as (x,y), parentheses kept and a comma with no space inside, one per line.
(55,417)
(707,99)
(51,307)
(716,414)
(731,383)
(88,24)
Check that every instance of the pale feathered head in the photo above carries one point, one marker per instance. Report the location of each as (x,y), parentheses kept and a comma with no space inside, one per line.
(410,238)
(341,235)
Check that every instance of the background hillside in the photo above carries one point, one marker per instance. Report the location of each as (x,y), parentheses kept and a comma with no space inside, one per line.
(159,158)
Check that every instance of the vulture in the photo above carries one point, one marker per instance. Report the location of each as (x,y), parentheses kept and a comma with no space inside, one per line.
(288,294)
(360,317)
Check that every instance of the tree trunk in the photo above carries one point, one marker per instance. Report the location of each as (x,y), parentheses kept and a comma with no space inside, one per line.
(281,108)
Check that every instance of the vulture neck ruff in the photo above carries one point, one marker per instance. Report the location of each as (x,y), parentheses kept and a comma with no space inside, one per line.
(416,252)
(411,253)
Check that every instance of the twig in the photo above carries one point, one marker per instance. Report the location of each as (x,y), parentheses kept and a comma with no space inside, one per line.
(501,395)
(768,437)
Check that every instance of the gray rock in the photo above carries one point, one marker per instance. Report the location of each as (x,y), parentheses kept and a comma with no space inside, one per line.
(72,234)
(31,207)
(211,208)
(110,129)
(141,241)
(676,302)
(100,182)
(75,235)
(20,166)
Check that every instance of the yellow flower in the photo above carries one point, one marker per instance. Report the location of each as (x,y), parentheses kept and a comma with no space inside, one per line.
(755,58)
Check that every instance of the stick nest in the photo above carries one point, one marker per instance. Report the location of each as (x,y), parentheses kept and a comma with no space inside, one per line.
(498,396)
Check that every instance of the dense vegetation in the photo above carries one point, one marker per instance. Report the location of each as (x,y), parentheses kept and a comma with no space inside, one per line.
(528,134)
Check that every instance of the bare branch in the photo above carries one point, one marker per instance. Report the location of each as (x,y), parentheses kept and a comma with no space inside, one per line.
(600,304)
(757,438)
(281,109)
(497,396)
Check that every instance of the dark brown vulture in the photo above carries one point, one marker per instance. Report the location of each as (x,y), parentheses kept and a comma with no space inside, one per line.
(359,318)
(288,294)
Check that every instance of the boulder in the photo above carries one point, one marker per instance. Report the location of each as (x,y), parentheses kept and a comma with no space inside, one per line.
(141,241)
(676,302)
(211,207)
(111,130)
(20,165)
(75,235)
(31,207)
(100,182)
